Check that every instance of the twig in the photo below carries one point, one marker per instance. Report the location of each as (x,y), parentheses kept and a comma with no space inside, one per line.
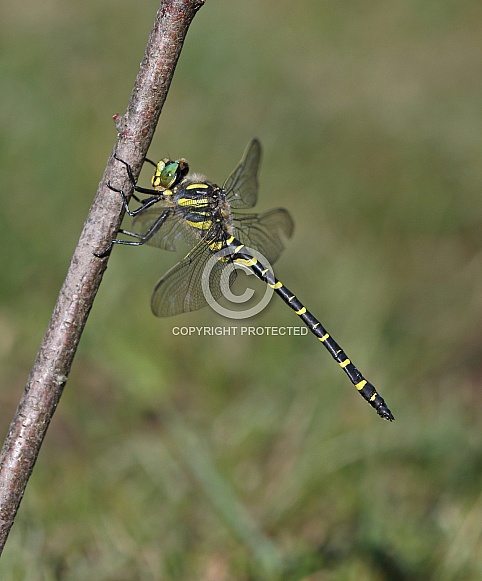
(52,366)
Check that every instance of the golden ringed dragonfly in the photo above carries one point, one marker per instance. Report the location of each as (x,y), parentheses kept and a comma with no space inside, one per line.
(189,208)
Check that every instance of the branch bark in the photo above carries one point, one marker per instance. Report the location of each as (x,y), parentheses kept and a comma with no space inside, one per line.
(52,366)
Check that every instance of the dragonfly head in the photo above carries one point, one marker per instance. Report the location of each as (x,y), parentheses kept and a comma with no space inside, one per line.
(169,173)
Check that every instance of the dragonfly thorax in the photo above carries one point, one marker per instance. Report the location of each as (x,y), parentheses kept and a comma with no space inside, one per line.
(203,205)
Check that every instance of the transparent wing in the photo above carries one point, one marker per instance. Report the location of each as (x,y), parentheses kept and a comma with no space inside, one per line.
(265,232)
(241,187)
(190,284)
(172,230)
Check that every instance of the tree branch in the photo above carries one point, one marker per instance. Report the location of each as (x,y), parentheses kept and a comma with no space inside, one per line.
(52,366)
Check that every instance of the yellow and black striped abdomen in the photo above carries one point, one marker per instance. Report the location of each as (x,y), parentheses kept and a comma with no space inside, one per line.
(364,387)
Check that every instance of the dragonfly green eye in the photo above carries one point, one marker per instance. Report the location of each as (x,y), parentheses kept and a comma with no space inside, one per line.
(165,175)
(169,174)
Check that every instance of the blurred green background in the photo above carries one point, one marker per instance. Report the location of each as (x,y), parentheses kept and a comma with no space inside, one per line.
(253,458)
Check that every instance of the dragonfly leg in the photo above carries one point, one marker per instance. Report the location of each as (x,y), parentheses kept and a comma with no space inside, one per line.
(140,238)
(155,194)
(144,205)
(132,179)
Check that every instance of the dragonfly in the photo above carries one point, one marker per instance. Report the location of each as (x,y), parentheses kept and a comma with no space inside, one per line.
(187,207)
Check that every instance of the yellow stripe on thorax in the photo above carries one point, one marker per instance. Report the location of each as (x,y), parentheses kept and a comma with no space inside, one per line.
(196,186)
(205,225)
(192,202)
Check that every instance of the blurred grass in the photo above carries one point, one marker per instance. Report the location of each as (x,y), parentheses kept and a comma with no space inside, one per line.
(252,458)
